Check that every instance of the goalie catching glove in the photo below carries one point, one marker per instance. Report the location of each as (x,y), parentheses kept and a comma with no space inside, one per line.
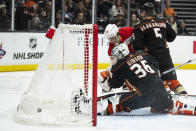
(103,80)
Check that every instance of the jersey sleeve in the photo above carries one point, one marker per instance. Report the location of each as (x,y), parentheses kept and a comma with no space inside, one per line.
(138,38)
(111,46)
(125,32)
(117,79)
(170,33)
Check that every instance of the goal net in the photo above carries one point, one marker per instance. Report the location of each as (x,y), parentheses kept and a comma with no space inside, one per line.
(64,87)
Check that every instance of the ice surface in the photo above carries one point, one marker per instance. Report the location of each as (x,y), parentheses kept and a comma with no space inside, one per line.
(13,84)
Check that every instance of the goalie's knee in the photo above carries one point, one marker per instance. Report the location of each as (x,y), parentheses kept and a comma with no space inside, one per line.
(104,109)
(110,109)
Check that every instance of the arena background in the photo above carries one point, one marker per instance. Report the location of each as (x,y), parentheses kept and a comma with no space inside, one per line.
(23,24)
(24,51)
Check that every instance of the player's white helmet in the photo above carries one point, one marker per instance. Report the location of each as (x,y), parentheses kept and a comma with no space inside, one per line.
(120,51)
(111,30)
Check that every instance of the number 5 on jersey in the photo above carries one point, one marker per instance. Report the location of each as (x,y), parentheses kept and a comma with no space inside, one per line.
(157,32)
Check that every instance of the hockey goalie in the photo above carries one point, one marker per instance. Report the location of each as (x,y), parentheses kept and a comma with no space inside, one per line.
(140,72)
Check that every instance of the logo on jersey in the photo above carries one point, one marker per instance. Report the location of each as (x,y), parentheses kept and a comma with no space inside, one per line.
(2,52)
(33,43)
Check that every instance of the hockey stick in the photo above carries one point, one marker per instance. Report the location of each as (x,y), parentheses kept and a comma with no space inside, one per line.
(110,94)
(184,95)
(167,71)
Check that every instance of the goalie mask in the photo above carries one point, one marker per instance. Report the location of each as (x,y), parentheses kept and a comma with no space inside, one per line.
(120,51)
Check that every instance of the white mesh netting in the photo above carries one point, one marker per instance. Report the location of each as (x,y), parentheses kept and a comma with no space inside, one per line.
(61,89)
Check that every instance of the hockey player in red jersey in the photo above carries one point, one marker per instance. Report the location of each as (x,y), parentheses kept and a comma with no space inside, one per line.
(140,71)
(117,36)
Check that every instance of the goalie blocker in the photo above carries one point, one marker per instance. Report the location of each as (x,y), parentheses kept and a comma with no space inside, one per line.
(140,71)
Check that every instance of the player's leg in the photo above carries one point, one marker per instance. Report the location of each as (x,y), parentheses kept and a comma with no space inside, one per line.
(109,105)
(180,108)
(152,94)
(118,104)
(174,106)
(176,87)
(171,77)
(173,84)
(166,63)
(162,101)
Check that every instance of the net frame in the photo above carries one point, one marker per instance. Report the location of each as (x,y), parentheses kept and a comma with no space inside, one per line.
(20,117)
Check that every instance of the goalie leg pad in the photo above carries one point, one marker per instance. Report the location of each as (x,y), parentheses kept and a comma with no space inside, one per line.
(105,107)
(102,106)
(109,106)
(179,108)
(112,109)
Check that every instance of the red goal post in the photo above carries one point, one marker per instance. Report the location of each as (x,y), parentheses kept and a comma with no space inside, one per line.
(63,90)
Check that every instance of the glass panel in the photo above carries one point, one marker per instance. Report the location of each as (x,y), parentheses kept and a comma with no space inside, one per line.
(4,15)
(75,12)
(36,15)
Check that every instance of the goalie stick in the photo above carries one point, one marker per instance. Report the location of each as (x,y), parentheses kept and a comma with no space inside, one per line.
(110,94)
(167,71)
(107,95)
(120,91)
(184,95)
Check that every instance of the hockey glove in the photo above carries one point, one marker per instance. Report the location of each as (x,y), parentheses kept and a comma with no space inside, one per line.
(103,80)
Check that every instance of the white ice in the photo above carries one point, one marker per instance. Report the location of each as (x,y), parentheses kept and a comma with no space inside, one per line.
(13,84)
